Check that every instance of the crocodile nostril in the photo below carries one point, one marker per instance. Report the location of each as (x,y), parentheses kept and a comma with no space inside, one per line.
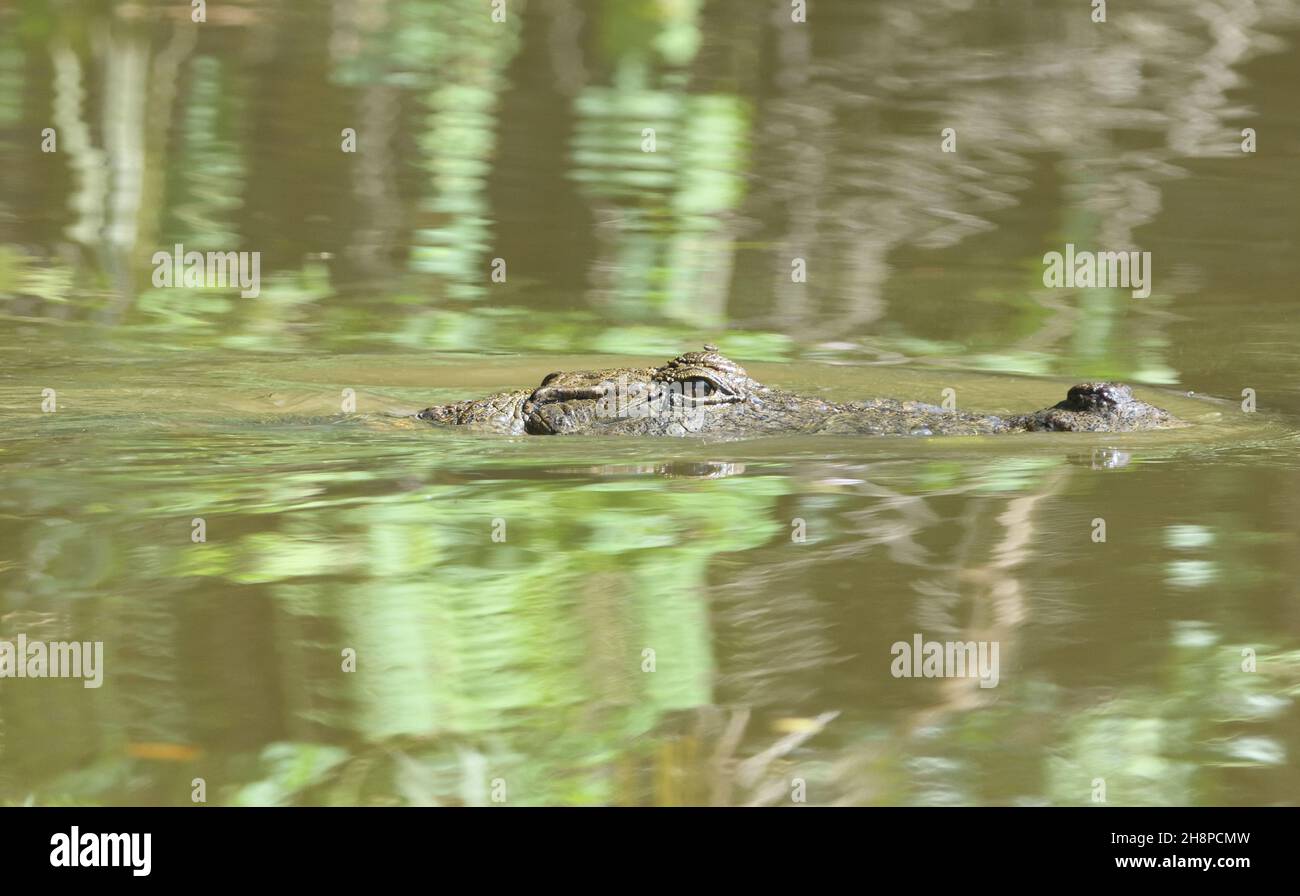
(1097,396)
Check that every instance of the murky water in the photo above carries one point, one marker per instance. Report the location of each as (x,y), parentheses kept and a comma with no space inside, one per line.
(577,621)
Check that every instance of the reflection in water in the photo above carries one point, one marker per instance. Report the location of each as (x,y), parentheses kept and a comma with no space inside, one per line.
(629,639)
(1104,459)
(638,622)
(453,237)
(822,153)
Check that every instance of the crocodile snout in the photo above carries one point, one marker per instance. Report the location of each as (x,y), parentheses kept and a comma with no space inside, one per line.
(1096,397)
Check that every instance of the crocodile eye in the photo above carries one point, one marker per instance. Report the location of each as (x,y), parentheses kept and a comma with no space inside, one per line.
(702,387)
(696,387)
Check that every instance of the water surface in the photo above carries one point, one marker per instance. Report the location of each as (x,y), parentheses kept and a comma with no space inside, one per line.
(582,621)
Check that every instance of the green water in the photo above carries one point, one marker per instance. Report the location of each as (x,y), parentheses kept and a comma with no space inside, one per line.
(627,621)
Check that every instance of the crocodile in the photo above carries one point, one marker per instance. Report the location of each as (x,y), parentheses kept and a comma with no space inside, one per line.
(708,394)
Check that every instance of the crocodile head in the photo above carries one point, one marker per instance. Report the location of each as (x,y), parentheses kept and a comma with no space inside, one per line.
(706,393)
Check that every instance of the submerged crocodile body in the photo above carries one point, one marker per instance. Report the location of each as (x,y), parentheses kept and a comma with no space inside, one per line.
(707,394)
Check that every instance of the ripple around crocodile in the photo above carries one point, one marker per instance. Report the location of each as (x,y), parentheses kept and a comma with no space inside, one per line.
(706,393)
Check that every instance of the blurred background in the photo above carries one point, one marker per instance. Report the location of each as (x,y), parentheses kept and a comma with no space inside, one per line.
(523,661)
